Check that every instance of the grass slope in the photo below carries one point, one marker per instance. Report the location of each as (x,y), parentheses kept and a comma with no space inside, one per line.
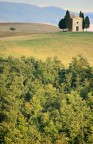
(63,45)
(25,28)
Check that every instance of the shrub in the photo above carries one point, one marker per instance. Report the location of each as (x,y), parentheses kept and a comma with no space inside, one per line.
(12,29)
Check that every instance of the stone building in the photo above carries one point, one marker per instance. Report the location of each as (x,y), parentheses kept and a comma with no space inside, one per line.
(76,24)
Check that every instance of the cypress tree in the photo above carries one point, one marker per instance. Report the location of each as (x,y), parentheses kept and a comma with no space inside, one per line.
(82,16)
(68,20)
(87,22)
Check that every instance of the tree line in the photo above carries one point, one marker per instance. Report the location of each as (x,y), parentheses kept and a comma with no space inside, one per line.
(66,22)
(44,102)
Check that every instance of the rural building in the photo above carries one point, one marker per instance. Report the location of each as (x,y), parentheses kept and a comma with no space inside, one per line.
(77,24)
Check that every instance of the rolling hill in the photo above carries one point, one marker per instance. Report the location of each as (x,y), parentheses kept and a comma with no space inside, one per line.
(25,29)
(43,45)
(20,12)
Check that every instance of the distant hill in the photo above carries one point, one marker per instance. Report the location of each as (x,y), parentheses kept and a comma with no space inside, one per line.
(20,12)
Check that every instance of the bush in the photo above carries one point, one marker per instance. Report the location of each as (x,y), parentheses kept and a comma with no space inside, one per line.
(12,29)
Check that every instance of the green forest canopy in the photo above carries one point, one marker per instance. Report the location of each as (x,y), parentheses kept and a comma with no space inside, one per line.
(44,102)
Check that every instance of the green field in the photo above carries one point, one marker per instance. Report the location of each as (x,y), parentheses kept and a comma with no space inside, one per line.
(63,45)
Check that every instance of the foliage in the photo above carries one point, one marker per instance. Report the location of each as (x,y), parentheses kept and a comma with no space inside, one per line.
(44,102)
(87,22)
(83,21)
(62,24)
(12,29)
(66,22)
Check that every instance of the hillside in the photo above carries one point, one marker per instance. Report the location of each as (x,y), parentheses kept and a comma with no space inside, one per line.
(41,46)
(25,29)
(20,12)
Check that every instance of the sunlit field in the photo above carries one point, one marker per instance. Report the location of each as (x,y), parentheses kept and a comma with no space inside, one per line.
(63,45)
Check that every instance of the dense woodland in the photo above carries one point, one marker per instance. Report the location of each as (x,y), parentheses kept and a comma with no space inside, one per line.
(45,102)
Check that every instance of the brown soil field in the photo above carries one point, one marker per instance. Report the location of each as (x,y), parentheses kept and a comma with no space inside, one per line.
(25,29)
